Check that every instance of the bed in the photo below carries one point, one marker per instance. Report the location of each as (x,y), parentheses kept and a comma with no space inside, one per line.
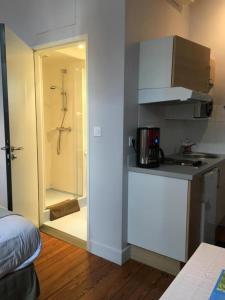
(20,245)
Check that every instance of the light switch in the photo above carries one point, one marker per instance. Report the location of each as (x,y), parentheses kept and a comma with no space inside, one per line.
(97,131)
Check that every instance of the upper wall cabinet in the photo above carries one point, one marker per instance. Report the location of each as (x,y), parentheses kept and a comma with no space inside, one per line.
(173,68)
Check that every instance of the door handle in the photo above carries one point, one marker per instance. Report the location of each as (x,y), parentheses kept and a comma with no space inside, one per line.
(13,156)
(16,148)
(5,148)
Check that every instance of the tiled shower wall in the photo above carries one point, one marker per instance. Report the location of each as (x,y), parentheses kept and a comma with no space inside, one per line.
(64,172)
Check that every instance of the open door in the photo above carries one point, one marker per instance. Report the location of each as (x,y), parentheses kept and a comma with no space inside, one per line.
(18,125)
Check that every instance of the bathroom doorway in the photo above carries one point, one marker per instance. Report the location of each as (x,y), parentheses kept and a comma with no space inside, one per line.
(62,136)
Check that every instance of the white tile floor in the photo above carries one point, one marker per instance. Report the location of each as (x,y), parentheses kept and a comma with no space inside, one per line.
(53,197)
(74,224)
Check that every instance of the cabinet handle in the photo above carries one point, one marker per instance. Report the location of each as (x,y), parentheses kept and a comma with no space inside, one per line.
(218,180)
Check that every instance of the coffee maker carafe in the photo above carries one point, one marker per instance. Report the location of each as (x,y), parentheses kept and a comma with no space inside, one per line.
(149,153)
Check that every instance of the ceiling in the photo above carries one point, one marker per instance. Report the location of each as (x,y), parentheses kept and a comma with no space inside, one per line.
(75,50)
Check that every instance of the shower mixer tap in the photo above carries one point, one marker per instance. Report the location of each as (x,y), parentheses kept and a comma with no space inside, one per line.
(64,108)
(69,129)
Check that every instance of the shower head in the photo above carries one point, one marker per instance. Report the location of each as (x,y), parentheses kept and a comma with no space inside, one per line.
(54,87)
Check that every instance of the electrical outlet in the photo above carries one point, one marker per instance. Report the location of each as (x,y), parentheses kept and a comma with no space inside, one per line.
(130,143)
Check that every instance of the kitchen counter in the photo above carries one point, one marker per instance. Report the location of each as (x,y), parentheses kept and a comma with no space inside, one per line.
(177,171)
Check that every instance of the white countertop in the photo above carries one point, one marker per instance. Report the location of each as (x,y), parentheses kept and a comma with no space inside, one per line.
(176,171)
(197,279)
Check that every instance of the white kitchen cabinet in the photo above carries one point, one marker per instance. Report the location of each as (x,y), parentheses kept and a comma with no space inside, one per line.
(155,63)
(171,68)
(167,216)
(158,213)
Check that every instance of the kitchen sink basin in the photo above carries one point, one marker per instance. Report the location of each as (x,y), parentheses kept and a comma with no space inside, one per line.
(200,155)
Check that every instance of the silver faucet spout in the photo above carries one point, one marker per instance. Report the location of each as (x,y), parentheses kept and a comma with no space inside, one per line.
(186,147)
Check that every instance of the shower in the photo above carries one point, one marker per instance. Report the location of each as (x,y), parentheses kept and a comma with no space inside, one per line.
(64,109)
(62,140)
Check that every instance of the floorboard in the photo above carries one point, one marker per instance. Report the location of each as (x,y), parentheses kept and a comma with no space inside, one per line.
(66,272)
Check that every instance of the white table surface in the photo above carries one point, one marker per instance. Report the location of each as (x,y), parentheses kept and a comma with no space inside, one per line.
(199,276)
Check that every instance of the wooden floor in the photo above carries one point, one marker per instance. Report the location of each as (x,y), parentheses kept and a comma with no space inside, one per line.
(67,273)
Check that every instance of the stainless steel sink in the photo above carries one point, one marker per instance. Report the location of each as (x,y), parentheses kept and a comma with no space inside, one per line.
(200,155)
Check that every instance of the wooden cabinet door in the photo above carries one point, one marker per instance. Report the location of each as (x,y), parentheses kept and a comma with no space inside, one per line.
(220,210)
(191,65)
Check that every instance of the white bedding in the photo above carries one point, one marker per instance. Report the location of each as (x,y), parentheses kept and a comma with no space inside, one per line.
(20,243)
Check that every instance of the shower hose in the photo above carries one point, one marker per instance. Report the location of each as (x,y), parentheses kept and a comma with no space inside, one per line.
(60,132)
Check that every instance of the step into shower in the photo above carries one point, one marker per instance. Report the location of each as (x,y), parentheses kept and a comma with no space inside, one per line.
(74,224)
(63,209)
(56,197)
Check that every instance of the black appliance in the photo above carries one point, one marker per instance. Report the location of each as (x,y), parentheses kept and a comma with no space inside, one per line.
(149,153)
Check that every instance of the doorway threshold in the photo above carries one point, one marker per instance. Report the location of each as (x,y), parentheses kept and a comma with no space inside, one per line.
(64,236)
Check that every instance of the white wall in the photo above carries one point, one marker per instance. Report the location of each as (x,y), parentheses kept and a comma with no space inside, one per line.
(103,21)
(40,21)
(147,19)
(203,22)
(207,27)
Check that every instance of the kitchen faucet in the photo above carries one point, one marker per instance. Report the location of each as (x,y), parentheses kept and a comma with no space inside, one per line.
(186,146)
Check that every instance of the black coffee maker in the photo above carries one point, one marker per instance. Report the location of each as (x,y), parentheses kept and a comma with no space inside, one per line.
(149,153)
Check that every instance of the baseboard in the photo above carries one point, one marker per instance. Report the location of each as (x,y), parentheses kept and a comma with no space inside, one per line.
(149,258)
(64,236)
(155,260)
(114,255)
(117,256)
(126,254)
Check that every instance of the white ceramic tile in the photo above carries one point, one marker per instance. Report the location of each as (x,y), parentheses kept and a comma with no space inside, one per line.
(54,197)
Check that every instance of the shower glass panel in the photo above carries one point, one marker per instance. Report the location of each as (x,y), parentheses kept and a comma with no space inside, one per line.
(63,94)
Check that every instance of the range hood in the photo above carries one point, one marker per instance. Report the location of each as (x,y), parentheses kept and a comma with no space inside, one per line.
(173,69)
(171,94)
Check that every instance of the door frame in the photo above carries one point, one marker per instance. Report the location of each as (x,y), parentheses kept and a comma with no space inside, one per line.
(6,116)
(40,122)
